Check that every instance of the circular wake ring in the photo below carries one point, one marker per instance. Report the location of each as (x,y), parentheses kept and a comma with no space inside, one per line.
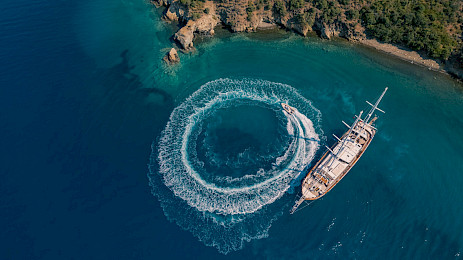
(175,149)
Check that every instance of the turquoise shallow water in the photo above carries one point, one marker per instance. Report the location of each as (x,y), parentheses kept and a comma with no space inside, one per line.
(94,111)
(401,199)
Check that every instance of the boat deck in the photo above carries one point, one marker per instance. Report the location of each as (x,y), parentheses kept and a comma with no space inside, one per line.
(341,157)
(337,161)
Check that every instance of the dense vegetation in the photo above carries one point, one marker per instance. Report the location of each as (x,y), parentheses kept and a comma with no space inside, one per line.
(421,25)
(432,26)
(195,7)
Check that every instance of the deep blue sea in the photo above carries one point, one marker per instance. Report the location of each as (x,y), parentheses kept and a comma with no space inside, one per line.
(107,153)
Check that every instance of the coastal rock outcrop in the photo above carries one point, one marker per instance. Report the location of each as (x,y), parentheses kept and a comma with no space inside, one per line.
(327,31)
(354,32)
(301,29)
(185,35)
(175,12)
(329,19)
(203,26)
(162,2)
(240,16)
(292,24)
(172,57)
(266,25)
(340,29)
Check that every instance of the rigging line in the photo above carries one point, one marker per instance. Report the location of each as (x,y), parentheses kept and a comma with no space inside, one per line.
(306,205)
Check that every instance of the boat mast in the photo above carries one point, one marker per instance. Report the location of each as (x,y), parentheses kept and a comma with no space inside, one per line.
(359,118)
(344,140)
(374,107)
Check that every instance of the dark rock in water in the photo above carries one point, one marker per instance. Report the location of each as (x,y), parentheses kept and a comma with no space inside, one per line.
(172,57)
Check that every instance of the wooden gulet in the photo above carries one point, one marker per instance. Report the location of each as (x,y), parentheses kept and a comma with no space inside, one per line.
(337,161)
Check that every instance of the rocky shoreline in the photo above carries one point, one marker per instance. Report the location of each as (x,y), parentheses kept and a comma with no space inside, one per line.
(236,18)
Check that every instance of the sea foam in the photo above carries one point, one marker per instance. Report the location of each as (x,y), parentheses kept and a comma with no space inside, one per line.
(234,206)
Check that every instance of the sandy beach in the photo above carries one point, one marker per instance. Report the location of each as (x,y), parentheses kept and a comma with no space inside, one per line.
(408,55)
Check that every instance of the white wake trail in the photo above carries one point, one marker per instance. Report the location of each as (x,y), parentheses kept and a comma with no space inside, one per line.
(175,155)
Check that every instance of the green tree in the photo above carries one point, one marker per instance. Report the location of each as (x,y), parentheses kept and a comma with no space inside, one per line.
(352,14)
(295,4)
(279,8)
